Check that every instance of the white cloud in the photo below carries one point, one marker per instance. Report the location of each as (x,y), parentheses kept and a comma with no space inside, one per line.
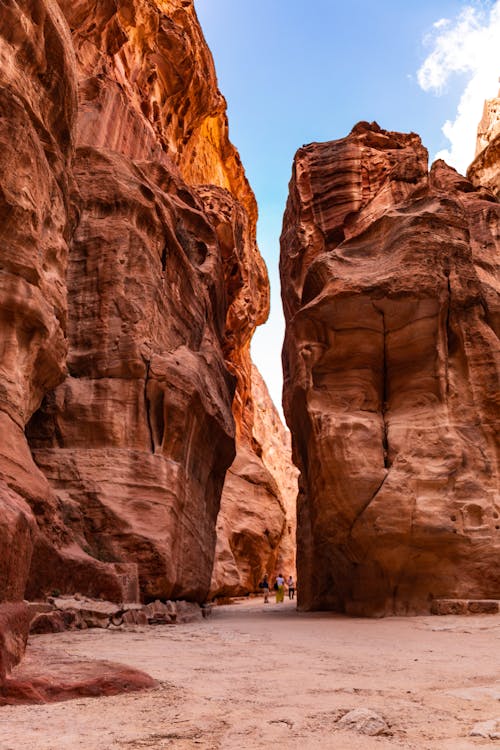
(470,45)
(442,22)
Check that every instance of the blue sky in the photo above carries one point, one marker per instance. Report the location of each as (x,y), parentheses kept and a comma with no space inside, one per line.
(295,72)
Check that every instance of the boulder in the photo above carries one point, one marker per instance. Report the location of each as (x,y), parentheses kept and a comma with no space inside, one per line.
(488,730)
(65,679)
(464,607)
(364,721)
(134,617)
(14,629)
(188,612)
(50,622)
(160,613)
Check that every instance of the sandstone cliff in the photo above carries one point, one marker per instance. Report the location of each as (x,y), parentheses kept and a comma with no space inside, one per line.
(391,359)
(257,520)
(131,285)
(485,169)
(38,104)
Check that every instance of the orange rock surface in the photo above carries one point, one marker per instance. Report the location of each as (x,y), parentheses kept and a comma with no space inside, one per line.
(275,443)
(391,358)
(485,169)
(130,285)
(257,520)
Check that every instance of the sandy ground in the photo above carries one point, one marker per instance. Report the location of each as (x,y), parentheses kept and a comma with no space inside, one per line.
(255,675)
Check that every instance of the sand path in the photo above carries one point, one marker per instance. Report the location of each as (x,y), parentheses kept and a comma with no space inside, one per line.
(255,676)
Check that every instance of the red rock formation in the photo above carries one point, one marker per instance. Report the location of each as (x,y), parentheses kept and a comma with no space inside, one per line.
(15,621)
(485,169)
(48,678)
(274,441)
(249,527)
(390,289)
(145,415)
(131,287)
(256,523)
(38,108)
(35,143)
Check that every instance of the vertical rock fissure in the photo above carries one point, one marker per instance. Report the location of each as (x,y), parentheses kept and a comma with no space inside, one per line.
(147,405)
(448,337)
(385,443)
(164,257)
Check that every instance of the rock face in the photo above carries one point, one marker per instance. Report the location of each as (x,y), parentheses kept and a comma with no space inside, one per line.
(391,358)
(485,169)
(37,104)
(257,519)
(275,444)
(14,629)
(130,287)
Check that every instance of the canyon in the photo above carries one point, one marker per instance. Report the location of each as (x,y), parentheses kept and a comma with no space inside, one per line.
(142,461)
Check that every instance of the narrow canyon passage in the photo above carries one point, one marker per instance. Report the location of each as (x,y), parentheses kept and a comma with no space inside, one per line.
(144,468)
(254,675)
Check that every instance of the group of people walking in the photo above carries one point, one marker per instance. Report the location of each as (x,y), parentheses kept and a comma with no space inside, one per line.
(279,588)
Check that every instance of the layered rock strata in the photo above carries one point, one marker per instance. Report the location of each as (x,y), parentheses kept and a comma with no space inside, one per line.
(275,444)
(391,360)
(38,107)
(256,523)
(131,285)
(71,613)
(485,169)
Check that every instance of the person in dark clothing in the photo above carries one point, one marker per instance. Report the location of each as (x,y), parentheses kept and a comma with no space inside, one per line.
(264,585)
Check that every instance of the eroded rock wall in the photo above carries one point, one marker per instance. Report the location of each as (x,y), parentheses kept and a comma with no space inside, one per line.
(138,437)
(391,361)
(132,286)
(275,443)
(36,131)
(485,169)
(257,520)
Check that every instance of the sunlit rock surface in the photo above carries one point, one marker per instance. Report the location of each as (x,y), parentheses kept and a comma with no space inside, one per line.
(391,358)
(131,285)
(257,519)
(274,441)
(485,169)
(144,417)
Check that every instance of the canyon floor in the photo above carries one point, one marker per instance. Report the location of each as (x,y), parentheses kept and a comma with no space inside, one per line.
(255,675)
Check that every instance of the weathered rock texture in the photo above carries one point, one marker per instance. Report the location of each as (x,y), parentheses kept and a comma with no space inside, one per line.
(130,286)
(274,440)
(80,613)
(485,169)
(391,358)
(37,110)
(14,629)
(256,524)
(46,677)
